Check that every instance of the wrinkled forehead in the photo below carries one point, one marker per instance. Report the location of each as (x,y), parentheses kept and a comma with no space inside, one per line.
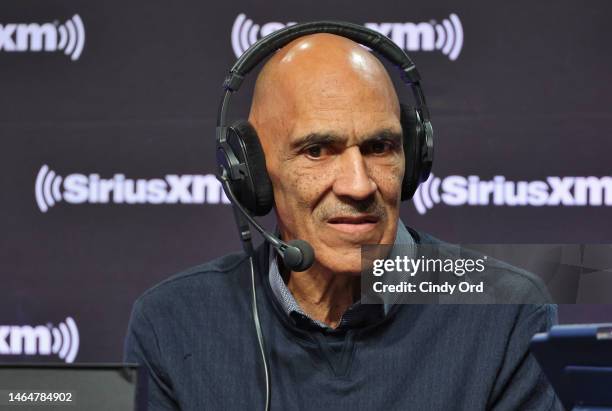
(350,107)
(345,126)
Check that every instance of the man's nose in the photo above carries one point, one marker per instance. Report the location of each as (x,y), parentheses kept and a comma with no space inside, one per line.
(352,179)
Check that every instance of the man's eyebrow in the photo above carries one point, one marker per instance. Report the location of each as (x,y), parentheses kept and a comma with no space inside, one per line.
(384,134)
(317,138)
(332,138)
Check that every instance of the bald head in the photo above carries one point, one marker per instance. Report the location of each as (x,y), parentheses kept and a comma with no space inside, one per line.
(317,73)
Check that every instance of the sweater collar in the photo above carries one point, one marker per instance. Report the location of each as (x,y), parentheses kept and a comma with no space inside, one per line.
(356,315)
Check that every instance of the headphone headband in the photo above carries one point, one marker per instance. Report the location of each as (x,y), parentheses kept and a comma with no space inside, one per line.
(360,34)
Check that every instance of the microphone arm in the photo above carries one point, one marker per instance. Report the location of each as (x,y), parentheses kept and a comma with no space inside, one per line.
(297,255)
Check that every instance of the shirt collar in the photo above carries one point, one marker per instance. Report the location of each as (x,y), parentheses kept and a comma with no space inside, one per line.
(355,314)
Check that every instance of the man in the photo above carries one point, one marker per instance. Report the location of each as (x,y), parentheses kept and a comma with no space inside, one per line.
(329,122)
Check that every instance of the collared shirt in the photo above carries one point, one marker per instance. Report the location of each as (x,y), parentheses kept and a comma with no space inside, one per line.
(355,315)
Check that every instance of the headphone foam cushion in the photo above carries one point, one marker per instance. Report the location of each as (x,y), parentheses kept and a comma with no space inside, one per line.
(256,164)
(411,130)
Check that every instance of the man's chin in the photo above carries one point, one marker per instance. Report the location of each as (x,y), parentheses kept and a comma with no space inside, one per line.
(349,236)
(340,251)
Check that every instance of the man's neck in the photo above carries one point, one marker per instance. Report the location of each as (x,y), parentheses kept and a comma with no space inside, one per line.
(323,295)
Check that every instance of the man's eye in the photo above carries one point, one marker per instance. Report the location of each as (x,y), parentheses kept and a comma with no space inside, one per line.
(314,151)
(381,147)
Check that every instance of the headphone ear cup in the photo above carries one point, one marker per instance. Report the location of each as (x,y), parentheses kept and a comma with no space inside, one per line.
(254,191)
(412,131)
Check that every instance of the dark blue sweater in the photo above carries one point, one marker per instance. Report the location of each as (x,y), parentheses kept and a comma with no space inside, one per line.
(194,333)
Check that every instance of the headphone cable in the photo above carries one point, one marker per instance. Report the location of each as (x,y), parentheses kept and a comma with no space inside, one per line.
(260,339)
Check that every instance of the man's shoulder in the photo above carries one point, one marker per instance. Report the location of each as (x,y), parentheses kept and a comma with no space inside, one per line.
(210,280)
(507,283)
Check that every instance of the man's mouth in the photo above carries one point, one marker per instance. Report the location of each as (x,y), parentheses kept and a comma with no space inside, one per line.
(353,224)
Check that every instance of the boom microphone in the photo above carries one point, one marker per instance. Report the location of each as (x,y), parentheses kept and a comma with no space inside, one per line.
(297,255)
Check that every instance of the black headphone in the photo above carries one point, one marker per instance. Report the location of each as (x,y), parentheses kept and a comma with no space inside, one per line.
(240,158)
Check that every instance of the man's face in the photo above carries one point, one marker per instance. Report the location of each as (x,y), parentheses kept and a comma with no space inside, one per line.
(336,163)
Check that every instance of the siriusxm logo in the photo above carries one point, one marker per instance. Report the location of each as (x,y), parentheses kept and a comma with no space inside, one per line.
(51,188)
(22,37)
(62,340)
(445,36)
(553,191)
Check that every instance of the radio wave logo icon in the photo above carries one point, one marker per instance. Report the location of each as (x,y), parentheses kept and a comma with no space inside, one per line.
(245,33)
(66,340)
(62,340)
(427,194)
(449,36)
(445,36)
(47,188)
(33,37)
(72,37)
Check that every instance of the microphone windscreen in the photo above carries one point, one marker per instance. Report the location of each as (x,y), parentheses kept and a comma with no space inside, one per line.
(299,256)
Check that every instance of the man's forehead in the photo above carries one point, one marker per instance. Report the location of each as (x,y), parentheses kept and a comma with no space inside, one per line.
(324,84)
(349,123)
